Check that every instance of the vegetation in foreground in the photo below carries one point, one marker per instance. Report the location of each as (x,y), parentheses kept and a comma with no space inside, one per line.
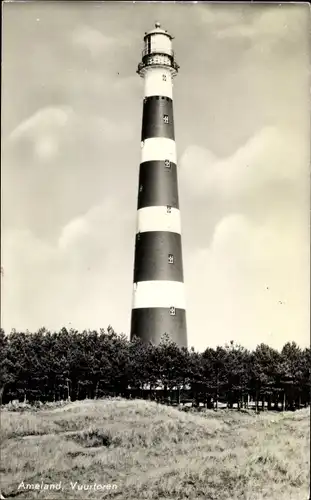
(151,451)
(47,367)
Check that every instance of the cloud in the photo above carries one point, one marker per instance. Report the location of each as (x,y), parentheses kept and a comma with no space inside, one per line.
(48,127)
(64,161)
(30,276)
(265,159)
(275,26)
(46,119)
(81,280)
(253,284)
(92,40)
(43,130)
(88,238)
(95,42)
(254,273)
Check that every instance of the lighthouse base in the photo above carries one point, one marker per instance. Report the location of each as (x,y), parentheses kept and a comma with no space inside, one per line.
(151,323)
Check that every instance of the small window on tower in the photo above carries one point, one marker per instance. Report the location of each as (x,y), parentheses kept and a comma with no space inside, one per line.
(164,78)
(170,258)
(140,188)
(172,311)
(168,209)
(138,235)
(165,118)
(167,163)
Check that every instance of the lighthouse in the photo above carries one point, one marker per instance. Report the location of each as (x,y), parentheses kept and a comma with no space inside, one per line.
(158,305)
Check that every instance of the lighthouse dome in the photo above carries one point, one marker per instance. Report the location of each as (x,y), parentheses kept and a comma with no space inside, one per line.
(157,30)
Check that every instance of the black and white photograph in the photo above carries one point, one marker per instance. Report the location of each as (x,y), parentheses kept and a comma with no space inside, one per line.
(155,250)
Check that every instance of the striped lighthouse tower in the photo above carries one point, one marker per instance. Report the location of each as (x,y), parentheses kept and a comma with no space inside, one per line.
(158,291)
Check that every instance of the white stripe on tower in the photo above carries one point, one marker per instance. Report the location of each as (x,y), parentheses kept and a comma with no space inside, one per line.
(158,81)
(161,218)
(159,149)
(158,291)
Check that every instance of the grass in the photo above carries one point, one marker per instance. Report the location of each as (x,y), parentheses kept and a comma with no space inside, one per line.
(149,451)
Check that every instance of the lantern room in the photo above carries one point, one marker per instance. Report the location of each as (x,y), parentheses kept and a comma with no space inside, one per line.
(157,51)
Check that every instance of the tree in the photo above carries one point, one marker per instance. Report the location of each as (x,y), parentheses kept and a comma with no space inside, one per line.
(266,374)
(6,365)
(237,365)
(293,374)
(49,366)
(142,369)
(170,362)
(215,373)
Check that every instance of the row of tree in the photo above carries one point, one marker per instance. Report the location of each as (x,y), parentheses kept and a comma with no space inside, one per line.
(45,366)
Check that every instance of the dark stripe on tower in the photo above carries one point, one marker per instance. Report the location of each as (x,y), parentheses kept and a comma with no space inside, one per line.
(151,323)
(158,120)
(153,252)
(158,185)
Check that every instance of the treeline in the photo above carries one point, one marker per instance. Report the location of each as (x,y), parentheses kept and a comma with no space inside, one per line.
(45,366)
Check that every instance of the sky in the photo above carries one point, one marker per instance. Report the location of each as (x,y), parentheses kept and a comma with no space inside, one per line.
(71,122)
